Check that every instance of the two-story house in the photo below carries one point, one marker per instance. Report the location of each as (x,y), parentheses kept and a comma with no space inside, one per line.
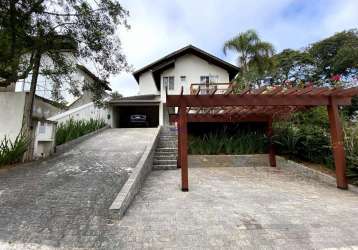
(182,68)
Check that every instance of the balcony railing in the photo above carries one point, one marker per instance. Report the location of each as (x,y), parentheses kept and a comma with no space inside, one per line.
(208,88)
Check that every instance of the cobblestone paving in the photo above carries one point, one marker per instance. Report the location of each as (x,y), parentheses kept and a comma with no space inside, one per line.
(63,202)
(237,208)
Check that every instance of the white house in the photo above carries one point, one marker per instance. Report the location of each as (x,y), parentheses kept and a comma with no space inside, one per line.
(12,109)
(183,67)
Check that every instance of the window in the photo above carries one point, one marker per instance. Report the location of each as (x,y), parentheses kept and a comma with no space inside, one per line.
(204,79)
(42,128)
(209,79)
(168,81)
(182,79)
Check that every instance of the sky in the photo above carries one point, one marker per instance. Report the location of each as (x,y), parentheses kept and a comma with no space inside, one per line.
(159,27)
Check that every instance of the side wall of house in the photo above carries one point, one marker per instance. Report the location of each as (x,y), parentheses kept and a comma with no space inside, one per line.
(43,109)
(85,112)
(147,85)
(192,67)
(11,113)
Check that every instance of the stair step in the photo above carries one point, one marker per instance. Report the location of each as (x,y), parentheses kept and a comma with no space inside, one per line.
(166,149)
(165,157)
(165,162)
(164,167)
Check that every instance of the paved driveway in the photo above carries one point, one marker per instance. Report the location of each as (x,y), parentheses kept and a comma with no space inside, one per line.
(237,208)
(64,201)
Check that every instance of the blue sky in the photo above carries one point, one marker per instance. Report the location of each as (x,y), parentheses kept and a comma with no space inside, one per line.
(159,27)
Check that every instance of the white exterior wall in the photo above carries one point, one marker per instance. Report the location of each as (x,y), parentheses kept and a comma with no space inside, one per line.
(192,67)
(85,112)
(11,113)
(147,85)
(45,139)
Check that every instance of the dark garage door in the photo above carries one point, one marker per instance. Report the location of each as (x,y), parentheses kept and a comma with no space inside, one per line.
(123,114)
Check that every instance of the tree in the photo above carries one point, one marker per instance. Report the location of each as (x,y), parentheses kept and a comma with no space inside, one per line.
(116,94)
(34,30)
(292,66)
(336,55)
(254,55)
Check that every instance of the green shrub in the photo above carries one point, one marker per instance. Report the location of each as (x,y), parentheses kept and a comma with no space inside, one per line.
(221,143)
(305,138)
(351,146)
(73,129)
(12,151)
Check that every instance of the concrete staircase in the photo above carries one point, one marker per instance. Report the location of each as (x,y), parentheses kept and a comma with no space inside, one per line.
(165,157)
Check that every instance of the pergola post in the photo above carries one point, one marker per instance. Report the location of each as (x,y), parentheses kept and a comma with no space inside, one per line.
(183,148)
(337,144)
(179,151)
(269,133)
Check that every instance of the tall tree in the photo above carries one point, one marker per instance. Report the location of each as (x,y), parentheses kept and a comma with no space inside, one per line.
(336,55)
(33,31)
(253,53)
(292,66)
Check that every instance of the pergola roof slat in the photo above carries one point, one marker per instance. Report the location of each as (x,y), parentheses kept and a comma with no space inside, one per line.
(274,101)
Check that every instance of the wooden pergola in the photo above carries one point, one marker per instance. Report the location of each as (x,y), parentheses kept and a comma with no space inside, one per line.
(223,103)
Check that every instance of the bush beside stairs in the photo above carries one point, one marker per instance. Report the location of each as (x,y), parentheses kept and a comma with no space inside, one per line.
(165,157)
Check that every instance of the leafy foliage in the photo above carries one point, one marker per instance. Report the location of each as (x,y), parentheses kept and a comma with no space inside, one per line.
(13,151)
(337,54)
(30,29)
(221,143)
(73,129)
(306,136)
(254,56)
(292,66)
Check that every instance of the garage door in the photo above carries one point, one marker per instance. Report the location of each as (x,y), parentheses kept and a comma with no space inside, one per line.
(123,114)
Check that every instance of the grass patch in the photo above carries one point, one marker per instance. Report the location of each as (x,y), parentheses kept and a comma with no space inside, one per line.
(73,129)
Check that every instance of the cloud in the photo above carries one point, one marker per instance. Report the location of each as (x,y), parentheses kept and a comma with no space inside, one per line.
(160,27)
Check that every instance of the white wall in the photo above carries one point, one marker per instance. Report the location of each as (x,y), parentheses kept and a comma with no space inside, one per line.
(192,67)
(147,85)
(45,139)
(11,113)
(85,112)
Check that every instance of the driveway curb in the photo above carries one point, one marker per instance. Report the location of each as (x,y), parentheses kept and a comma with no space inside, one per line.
(135,180)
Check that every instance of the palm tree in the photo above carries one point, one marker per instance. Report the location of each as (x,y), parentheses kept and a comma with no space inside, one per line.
(251,50)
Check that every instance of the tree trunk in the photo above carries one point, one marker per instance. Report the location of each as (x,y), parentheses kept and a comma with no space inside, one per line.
(27,124)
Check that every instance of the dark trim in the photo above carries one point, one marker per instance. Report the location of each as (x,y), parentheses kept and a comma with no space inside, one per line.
(169,59)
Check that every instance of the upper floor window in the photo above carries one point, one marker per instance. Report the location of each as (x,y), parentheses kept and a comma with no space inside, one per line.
(209,79)
(182,79)
(204,79)
(42,128)
(168,82)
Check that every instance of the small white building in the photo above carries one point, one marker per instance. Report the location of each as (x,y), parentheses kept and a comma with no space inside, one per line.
(179,69)
(12,110)
(85,112)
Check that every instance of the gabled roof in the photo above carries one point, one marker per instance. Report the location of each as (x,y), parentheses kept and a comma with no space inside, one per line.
(168,61)
(93,76)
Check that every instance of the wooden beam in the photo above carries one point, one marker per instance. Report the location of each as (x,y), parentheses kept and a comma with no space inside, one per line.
(337,143)
(179,138)
(269,133)
(251,100)
(183,134)
(220,118)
